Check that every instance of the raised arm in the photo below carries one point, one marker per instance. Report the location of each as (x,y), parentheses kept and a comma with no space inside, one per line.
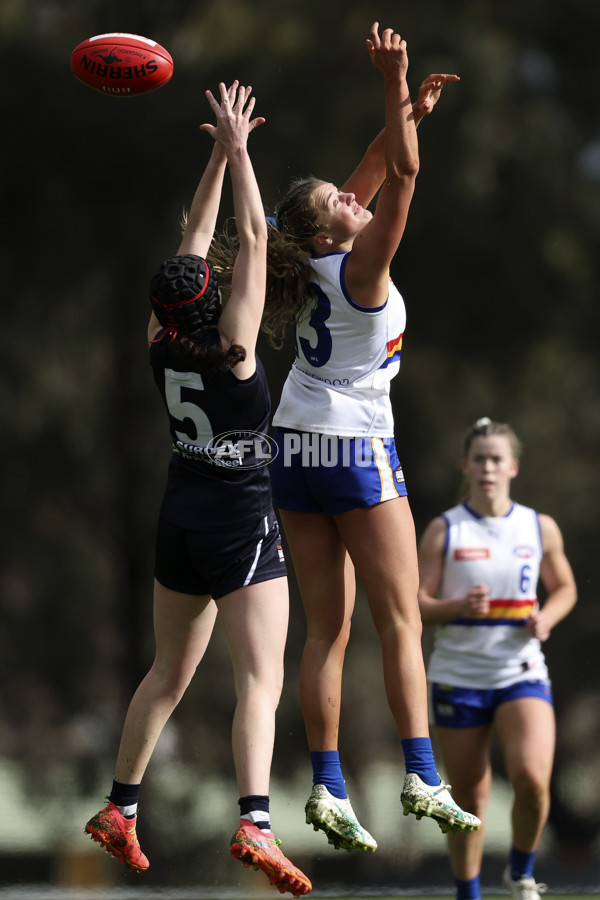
(429,94)
(367,270)
(240,320)
(202,217)
(369,175)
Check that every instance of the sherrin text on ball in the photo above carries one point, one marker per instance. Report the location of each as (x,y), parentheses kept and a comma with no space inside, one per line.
(121,65)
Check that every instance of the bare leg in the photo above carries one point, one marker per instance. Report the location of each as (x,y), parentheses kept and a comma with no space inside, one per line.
(327,586)
(465,752)
(527,733)
(183,624)
(382,544)
(381,541)
(255,621)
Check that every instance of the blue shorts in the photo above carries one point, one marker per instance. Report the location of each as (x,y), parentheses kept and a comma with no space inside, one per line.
(324,473)
(455,707)
(218,562)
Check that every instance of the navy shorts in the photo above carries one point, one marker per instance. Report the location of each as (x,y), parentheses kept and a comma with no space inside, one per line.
(456,707)
(219,562)
(329,474)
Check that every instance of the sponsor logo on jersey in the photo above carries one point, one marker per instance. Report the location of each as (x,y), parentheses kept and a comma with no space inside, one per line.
(470,554)
(399,475)
(523,551)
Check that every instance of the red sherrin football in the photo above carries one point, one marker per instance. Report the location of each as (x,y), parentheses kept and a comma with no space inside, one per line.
(121,65)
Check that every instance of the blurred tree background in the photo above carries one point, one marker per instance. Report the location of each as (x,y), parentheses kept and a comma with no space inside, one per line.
(499,270)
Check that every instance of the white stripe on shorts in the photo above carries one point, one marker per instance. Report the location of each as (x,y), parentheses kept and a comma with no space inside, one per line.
(257,554)
(386,475)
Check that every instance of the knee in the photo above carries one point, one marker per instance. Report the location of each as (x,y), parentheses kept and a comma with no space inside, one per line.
(331,635)
(396,626)
(170,682)
(472,796)
(530,787)
(275,685)
(263,689)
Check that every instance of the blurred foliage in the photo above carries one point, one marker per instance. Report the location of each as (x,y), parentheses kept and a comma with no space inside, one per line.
(498,267)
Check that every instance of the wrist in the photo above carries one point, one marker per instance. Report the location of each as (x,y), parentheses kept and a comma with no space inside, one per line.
(219,155)
(239,151)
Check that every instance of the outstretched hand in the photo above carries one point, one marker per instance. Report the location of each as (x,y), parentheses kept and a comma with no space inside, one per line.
(429,94)
(388,51)
(234,115)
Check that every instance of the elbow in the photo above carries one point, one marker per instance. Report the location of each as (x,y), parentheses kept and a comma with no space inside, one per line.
(424,612)
(256,237)
(261,239)
(575,598)
(404,172)
(261,231)
(410,169)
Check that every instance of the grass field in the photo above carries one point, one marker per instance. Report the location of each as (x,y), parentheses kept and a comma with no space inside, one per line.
(24,894)
(36,893)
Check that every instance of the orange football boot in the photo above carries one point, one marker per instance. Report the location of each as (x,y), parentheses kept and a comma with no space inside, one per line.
(117,835)
(260,849)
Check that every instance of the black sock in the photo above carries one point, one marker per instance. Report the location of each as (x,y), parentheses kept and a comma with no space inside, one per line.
(255,808)
(125,797)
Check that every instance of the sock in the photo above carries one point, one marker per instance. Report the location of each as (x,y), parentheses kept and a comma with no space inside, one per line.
(521,864)
(469,889)
(125,797)
(255,808)
(418,758)
(328,771)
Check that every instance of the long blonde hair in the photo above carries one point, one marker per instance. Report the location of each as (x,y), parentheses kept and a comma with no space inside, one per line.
(289,250)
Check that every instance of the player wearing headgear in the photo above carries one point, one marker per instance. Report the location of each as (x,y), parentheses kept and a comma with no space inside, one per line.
(218,543)
(218,419)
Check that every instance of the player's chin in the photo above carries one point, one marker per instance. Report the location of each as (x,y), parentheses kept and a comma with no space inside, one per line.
(363,218)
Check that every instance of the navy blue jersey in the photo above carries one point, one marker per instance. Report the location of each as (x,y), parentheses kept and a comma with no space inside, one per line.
(218,474)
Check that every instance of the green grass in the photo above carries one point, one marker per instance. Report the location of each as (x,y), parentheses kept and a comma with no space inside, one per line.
(317,896)
(175,894)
